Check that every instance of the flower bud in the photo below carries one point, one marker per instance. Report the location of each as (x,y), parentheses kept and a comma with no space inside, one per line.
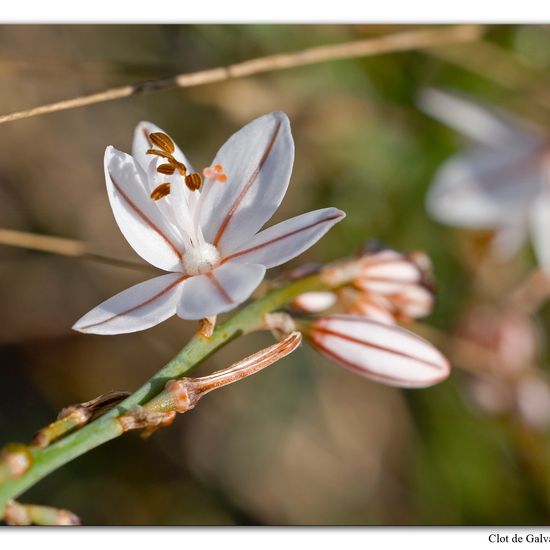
(384,353)
(388,271)
(314,302)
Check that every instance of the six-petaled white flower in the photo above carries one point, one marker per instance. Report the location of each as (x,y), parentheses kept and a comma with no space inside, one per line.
(499,183)
(209,240)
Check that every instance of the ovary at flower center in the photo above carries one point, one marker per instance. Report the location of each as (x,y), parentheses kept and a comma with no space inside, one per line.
(200,259)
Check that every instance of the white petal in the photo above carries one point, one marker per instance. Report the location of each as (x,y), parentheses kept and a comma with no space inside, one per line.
(314,302)
(479,123)
(387,354)
(483,189)
(540,228)
(286,240)
(139,307)
(218,291)
(149,232)
(257,161)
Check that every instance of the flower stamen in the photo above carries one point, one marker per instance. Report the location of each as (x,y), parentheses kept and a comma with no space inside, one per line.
(163,142)
(193,181)
(167,169)
(161,191)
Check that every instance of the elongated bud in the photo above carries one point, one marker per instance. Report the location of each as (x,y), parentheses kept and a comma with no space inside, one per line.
(387,354)
(182,395)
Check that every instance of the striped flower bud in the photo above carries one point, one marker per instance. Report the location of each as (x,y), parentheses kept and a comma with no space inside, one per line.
(387,354)
(388,271)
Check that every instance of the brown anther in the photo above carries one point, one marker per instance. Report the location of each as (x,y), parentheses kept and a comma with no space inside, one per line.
(161,191)
(193,181)
(162,154)
(167,169)
(162,141)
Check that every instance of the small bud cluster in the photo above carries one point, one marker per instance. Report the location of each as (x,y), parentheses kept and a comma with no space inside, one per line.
(388,287)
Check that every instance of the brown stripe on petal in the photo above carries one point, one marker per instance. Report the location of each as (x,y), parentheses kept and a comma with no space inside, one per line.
(377,346)
(357,368)
(247,186)
(135,308)
(212,278)
(145,218)
(277,239)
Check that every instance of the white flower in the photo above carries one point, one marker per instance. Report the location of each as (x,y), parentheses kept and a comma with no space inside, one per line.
(210,240)
(384,353)
(499,182)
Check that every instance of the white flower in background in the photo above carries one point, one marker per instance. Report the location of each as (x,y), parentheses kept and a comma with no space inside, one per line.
(209,240)
(498,182)
(384,353)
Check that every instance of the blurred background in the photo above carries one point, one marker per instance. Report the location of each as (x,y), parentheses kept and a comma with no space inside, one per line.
(304,442)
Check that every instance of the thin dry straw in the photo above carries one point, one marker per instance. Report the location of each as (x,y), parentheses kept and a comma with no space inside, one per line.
(402,41)
(62,246)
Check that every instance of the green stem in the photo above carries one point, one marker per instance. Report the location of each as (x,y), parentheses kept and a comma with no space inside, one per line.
(105,428)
